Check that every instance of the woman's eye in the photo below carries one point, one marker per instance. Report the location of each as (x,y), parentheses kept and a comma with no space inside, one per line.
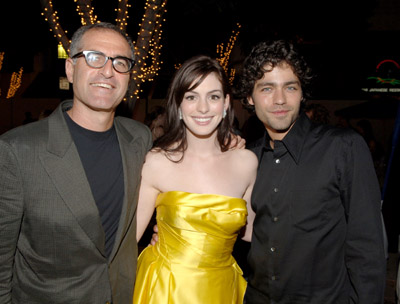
(189,97)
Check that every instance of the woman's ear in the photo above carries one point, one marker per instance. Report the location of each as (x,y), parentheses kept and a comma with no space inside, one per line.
(227,102)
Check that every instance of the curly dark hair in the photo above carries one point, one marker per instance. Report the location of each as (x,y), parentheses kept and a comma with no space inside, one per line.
(272,54)
(190,75)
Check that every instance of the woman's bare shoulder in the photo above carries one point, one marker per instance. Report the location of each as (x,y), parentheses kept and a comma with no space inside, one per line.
(154,158)
(157,158)
(155,168)
(155,154)
(245,158)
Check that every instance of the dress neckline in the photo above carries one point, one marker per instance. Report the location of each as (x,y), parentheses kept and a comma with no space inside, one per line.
(200,194)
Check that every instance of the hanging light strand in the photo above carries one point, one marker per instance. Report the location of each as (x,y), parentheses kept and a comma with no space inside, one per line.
(1,63)
(148,46)
(224,53)
(122,14)
(1,59)
(86,12)
(50,15)
(15,83)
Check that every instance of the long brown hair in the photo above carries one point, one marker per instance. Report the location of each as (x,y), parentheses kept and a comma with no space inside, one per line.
(196,68)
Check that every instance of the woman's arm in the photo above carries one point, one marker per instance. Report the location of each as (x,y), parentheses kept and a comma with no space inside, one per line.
(147,197)
(252,165)
(250,216)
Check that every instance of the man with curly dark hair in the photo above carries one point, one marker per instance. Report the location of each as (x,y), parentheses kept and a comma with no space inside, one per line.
(317,235)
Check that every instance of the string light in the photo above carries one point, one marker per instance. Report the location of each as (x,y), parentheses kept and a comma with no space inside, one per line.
(122,14)
(16,79)
(50,15)
(147,47)
(1,63)
(224,53)
(1,59)
(15,83)
(85,11)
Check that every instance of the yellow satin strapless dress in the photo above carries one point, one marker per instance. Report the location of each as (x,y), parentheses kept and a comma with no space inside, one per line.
(192,262)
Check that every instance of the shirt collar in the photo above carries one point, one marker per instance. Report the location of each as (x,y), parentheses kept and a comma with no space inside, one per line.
(294,140)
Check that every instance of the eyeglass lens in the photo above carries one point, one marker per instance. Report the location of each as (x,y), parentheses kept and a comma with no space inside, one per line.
(98,60)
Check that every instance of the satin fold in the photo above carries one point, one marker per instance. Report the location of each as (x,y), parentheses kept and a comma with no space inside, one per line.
(192,261)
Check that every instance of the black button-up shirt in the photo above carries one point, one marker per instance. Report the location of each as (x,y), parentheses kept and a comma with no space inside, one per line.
(317,234)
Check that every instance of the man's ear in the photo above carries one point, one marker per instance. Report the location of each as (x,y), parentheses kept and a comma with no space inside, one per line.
(250,100)
(69,69)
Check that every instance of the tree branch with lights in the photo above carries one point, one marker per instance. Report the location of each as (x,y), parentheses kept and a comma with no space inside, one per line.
(15,81)
(147,46)
(224,53)
(50,15)
(122,14)
(85,11)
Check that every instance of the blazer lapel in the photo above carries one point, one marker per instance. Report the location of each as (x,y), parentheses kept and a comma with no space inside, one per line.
(62,163)
(132,162)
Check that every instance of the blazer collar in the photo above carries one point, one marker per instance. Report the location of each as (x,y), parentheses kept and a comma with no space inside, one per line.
(59,137)
(63,165)
(132,161)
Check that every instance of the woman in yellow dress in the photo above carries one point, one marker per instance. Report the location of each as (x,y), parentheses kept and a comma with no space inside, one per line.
(199,188)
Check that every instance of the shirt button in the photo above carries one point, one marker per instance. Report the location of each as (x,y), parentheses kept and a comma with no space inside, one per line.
(276,190)
(275,218)
(277,161)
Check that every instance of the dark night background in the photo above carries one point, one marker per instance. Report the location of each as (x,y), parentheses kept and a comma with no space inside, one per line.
(343,40)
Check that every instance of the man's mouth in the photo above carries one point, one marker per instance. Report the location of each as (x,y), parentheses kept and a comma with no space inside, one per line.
(103,85)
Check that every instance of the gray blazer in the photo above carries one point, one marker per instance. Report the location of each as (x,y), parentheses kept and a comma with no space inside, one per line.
(51,236)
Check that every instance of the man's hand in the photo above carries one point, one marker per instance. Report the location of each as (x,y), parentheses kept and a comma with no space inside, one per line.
(154,238)
(241,142)
(237,142)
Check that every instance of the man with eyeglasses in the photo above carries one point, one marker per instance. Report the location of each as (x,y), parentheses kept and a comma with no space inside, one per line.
(69,185)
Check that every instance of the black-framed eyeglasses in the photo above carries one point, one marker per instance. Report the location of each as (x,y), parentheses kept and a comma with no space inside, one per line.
(97,60)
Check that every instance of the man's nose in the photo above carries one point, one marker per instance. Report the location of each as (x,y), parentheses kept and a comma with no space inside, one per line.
(107,70)
(279,97)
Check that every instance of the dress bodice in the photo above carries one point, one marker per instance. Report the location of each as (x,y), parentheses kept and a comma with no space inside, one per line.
(191,224)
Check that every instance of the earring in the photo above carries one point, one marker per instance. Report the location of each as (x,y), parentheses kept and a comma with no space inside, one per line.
(180,114)
(224,113)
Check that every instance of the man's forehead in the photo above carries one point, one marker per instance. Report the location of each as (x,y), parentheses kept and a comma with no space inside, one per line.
(282,73)
(268,67)
(100,32)
(98,38)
